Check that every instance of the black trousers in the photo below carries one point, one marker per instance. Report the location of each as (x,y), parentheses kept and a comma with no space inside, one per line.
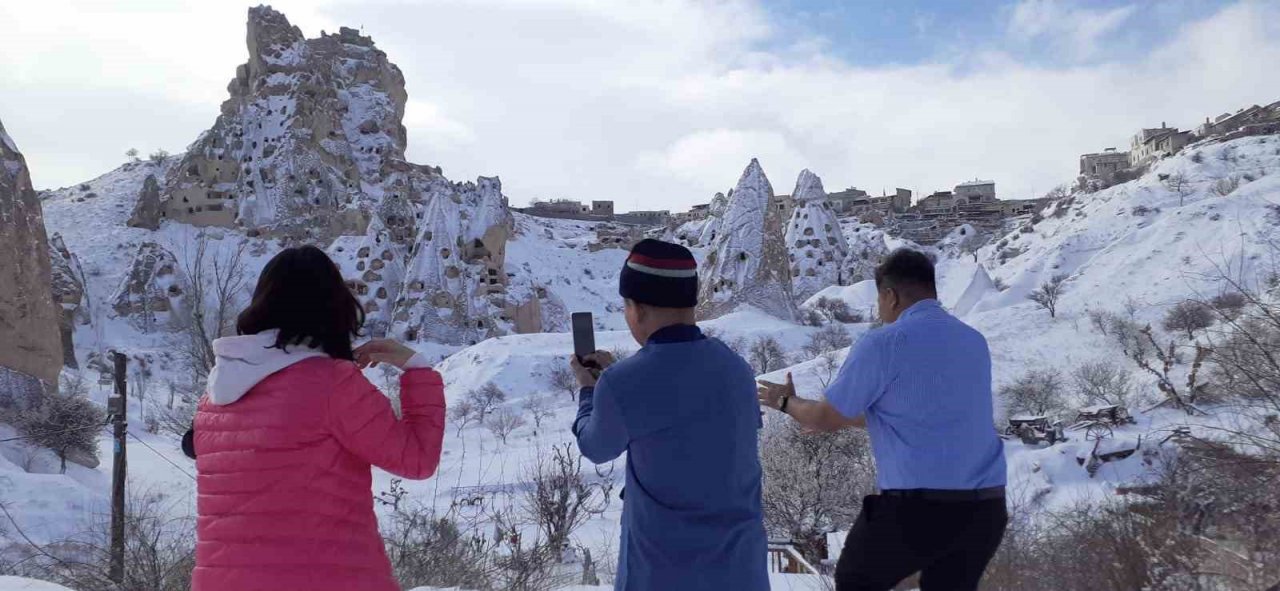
(948,542)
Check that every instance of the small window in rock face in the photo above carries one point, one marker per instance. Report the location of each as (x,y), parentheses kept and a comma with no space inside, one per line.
(742,256)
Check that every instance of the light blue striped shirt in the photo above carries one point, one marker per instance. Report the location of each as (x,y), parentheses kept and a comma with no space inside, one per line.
(924,383)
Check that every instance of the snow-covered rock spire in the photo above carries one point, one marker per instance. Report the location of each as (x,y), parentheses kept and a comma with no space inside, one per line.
(817,246)
(747,262)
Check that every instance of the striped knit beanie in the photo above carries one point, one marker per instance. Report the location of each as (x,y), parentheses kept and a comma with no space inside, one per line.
(660,274)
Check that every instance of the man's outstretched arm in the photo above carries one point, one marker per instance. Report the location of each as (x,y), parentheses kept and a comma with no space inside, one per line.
(815,415)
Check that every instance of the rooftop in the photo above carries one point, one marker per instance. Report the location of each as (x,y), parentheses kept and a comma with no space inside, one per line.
(976,183)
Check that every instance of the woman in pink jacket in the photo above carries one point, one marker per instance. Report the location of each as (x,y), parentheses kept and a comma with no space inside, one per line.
(288,431)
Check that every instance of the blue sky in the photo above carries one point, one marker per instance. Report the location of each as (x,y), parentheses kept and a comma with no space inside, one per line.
(868,32)
(658,105)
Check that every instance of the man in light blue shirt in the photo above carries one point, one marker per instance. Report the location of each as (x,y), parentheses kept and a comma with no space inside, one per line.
(921,386)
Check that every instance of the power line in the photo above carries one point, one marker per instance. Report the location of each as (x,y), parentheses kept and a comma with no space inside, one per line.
(162,456)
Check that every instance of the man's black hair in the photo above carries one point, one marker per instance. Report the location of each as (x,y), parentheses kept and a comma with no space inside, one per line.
(908,271)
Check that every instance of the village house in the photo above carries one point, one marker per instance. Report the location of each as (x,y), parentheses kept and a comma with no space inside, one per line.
(1152,143)
(644,218)
(975,191)
(570,209)
(1103,164)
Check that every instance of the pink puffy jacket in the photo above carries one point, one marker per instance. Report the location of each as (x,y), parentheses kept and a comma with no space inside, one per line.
(284,489)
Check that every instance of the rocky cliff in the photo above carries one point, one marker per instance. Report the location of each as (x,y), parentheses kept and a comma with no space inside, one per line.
(817,246)
(308,144)
(30,345)
(67,281)
(747,261)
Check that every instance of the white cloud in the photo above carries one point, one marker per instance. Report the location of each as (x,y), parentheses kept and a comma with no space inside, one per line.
(655,105)
(1074,31)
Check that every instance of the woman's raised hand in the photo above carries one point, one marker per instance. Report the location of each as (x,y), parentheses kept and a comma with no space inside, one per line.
(378,351)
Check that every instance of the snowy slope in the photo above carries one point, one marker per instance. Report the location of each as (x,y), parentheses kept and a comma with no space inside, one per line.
(1142,242)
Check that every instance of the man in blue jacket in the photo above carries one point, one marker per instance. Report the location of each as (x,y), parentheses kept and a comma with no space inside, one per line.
(684,410)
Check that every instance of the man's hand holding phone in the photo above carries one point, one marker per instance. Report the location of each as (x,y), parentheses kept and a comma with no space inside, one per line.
(587,369)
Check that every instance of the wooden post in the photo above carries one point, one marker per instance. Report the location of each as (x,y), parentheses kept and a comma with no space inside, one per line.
(117,407)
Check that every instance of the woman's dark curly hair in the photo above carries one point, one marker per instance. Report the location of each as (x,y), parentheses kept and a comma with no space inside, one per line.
(301,293)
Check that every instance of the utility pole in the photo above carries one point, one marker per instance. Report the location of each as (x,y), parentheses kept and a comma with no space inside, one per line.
(117,406)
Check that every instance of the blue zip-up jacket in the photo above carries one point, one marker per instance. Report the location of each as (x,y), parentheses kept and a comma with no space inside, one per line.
(684,409)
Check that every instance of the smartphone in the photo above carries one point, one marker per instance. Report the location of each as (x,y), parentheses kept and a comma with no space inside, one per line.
(584,335)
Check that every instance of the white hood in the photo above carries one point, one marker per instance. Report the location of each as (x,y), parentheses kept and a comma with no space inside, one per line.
(244,361)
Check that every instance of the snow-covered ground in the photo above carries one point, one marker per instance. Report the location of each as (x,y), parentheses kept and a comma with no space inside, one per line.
(1141,244)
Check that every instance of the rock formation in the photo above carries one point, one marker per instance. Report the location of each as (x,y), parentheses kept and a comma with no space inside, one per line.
(817,246)
(867,248)
(30,347)
(146,212)
(374,266)
(308,144)
(455,283)
(715,215)
(151,295)
(747,261)
(68,295)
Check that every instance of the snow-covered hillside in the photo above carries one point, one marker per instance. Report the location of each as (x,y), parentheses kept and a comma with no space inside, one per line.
(1144,245)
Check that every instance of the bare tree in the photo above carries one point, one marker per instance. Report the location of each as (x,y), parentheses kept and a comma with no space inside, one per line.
(1038,392)
(829,338)
(1139,345)
(1189,316)
(562,380)
(766,355)
(560,499)
(809,479)
(538,407)
(1048,293)
(486,399)
(1180,184)
(463,413)
(215,283)
(1102,382)
(503,422)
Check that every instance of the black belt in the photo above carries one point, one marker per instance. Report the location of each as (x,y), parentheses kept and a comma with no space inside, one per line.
(934,494)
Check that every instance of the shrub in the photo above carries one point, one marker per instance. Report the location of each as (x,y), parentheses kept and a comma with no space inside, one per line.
(1036,392)
(158,156)
(431,550)
(1225,186)
(811,481)
(68,425)
(838,310)
(1228,304)
(1197,157)
(1188,317)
